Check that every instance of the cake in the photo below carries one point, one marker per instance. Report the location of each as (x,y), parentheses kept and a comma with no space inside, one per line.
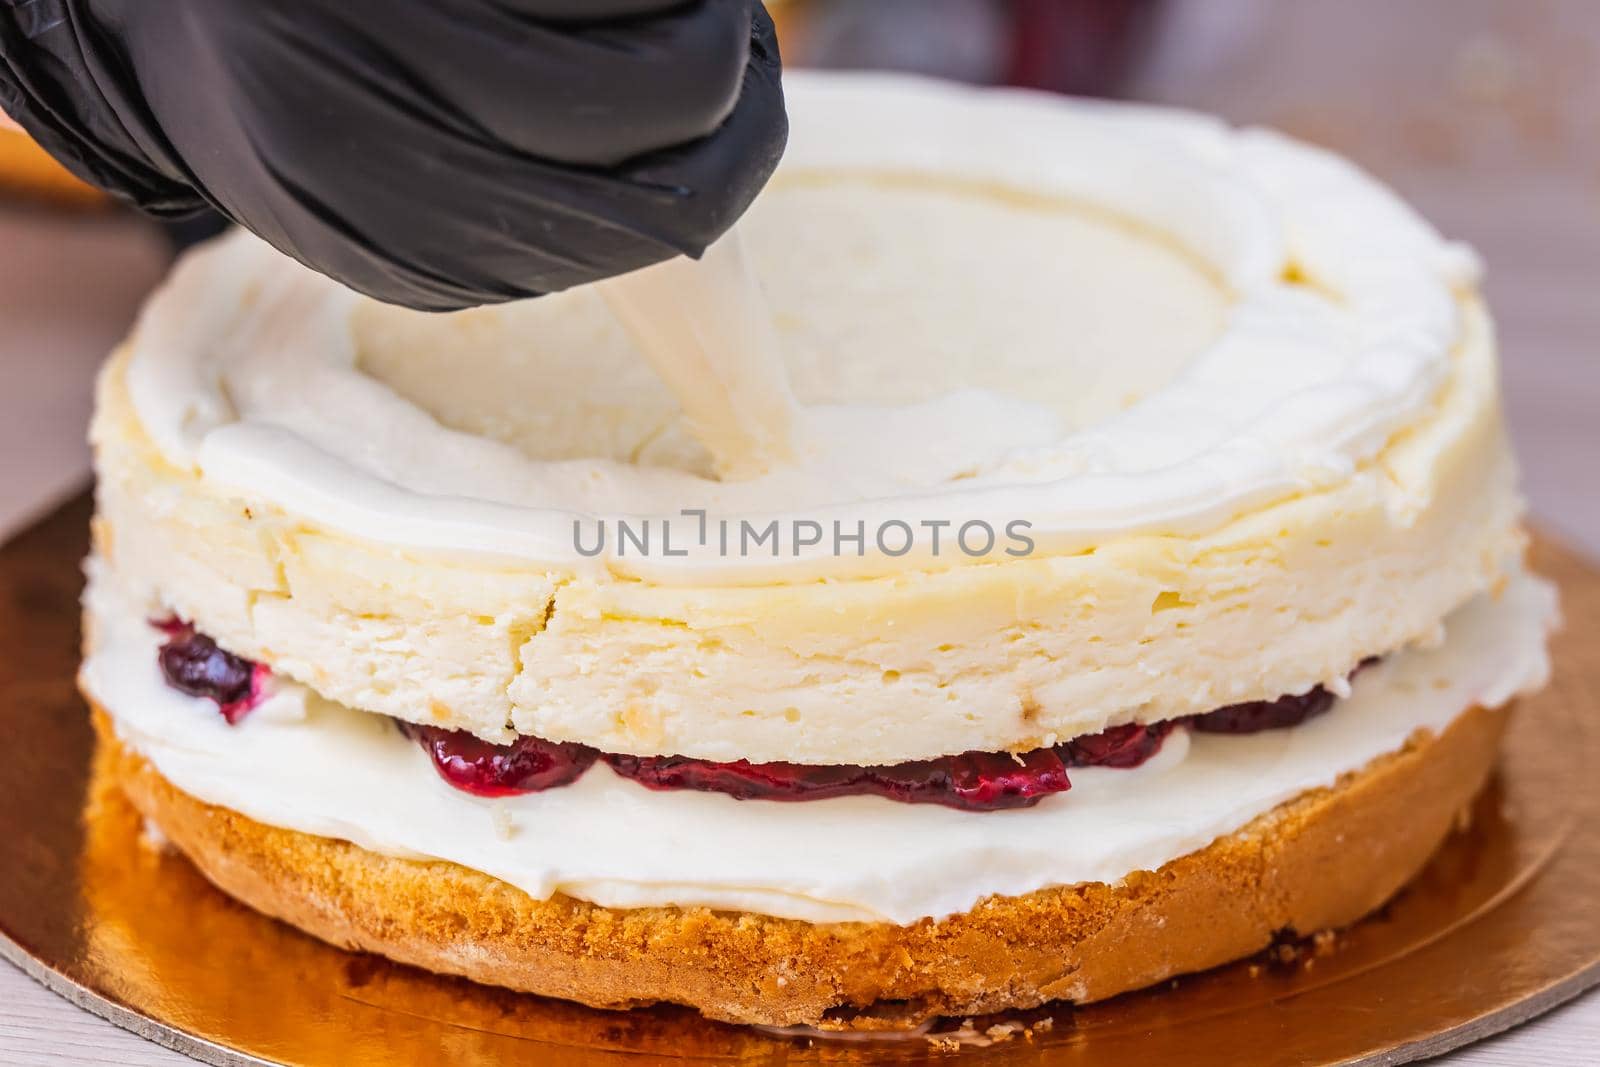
(1143,578)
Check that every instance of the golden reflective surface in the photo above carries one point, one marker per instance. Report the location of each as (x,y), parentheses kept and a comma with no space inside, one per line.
(1501,925)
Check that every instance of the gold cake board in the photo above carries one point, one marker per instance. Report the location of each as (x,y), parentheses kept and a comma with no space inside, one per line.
(1501,926)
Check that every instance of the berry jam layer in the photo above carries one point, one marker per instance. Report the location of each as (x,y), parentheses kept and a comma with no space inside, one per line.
(971,781)
(193,663)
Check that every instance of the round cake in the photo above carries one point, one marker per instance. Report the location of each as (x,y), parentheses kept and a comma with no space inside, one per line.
(1137,574)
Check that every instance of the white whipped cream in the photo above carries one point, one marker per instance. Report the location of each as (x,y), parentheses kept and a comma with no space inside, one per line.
(707,331)
(303,763)
(1341,315)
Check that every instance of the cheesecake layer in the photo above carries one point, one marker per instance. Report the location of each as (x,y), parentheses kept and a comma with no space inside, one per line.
(302,763)
(1244,401)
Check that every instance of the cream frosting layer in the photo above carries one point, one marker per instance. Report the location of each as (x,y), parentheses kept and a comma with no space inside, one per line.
(306,764)
(1341,317)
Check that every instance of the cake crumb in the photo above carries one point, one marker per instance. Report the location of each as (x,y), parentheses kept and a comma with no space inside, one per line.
(967,1035)
(504,826)
(154,839)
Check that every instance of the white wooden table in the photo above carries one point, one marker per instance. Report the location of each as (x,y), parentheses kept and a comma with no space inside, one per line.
(1482,112)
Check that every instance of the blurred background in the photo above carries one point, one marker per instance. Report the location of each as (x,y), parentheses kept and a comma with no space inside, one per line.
(1481,112)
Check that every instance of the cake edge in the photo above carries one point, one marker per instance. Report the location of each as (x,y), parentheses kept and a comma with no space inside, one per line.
(1322,860)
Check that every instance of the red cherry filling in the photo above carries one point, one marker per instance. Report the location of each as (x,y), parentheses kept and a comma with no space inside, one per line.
(527,765)
(192,663)
(972,781)
(1260,715)
(1116,746)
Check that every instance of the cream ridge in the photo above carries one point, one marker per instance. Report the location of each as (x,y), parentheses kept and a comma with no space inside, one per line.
(302,763)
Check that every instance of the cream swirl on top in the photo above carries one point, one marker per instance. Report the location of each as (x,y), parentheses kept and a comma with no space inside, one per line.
(1341,316)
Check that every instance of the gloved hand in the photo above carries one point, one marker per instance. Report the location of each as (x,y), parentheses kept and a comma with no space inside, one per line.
(432,153)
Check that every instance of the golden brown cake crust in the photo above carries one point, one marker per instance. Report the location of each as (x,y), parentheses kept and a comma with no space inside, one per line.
(1322,860)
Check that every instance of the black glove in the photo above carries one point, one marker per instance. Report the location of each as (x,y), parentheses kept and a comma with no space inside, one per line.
(433,153)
